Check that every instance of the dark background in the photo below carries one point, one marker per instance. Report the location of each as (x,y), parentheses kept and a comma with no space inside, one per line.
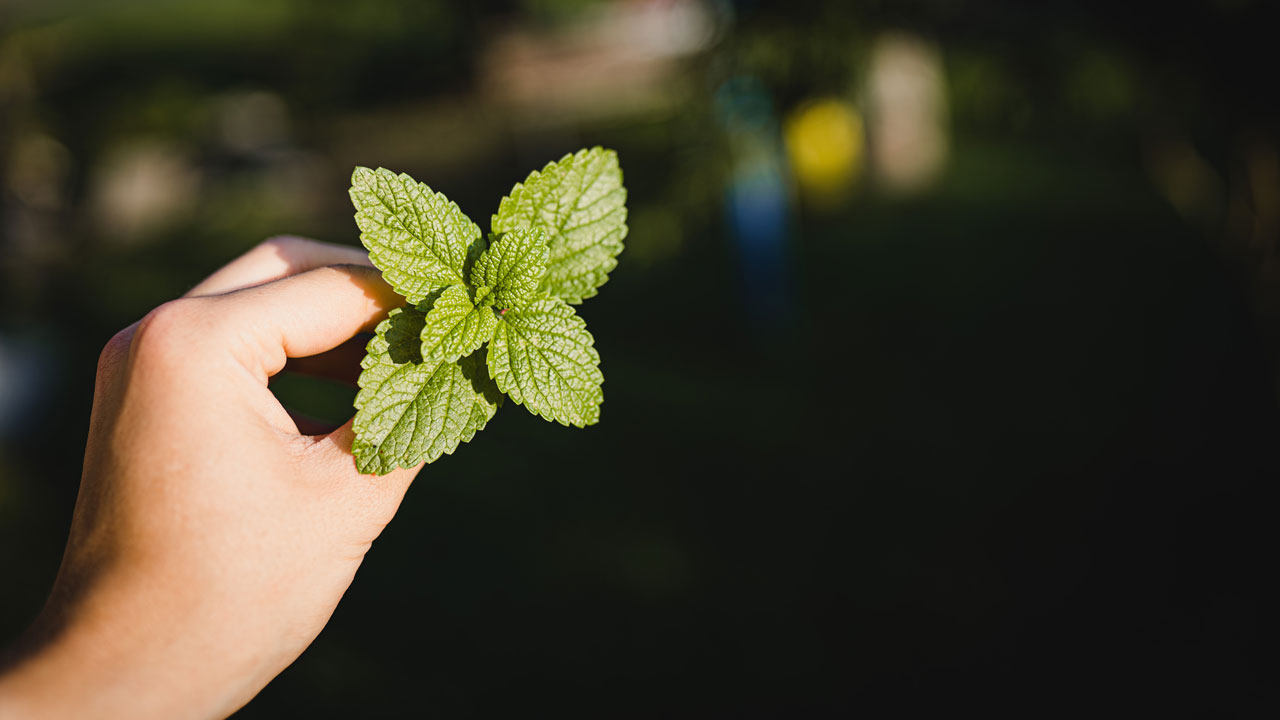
(976,410)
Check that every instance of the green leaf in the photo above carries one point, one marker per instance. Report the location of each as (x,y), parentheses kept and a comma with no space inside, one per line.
(581,204)
(513,266)
(455,326)
(409,411)
(416,237)
(544,358)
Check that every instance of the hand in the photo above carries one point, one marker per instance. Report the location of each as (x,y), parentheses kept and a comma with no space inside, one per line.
(211,540)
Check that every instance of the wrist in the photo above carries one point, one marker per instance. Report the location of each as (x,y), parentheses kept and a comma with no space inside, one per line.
(122,657)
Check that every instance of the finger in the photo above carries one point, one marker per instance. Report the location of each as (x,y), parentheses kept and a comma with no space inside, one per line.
(301,315)
(341,363)
(277,258)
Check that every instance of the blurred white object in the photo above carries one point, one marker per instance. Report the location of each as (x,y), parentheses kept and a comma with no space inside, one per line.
(907,107)
(616,59)
(140,187)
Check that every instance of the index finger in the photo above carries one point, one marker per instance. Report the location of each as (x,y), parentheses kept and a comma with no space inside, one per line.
(302,315)
(276,258)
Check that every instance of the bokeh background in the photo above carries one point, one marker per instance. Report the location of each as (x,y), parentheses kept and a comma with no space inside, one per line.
(939,361)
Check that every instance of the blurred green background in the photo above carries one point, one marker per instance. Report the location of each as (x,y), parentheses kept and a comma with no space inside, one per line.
(940,367)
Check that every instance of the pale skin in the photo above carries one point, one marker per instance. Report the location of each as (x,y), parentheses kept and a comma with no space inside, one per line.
(211,539)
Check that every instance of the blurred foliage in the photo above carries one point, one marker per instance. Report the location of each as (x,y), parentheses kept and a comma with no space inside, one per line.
(1009,430)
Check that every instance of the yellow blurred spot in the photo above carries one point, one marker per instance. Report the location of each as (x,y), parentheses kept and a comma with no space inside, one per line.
(824,141)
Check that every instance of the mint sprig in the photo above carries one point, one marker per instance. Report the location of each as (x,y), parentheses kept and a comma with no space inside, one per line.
(483,317)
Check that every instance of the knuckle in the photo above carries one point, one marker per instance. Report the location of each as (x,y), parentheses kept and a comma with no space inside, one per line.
(169,328)
(116,350)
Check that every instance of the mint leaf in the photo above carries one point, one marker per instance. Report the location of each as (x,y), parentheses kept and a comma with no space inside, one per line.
(488,397)
(544,358)
(455,326)
(409,411)
(580,203)
(513,266)
(416,237)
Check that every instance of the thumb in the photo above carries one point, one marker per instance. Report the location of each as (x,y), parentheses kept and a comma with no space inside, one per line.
(381,494)
(307,314)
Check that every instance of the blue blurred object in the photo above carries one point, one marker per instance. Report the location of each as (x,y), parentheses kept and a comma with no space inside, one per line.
(757,203)
(24,374)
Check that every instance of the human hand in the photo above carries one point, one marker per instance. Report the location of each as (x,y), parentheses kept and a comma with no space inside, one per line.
(211,540)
